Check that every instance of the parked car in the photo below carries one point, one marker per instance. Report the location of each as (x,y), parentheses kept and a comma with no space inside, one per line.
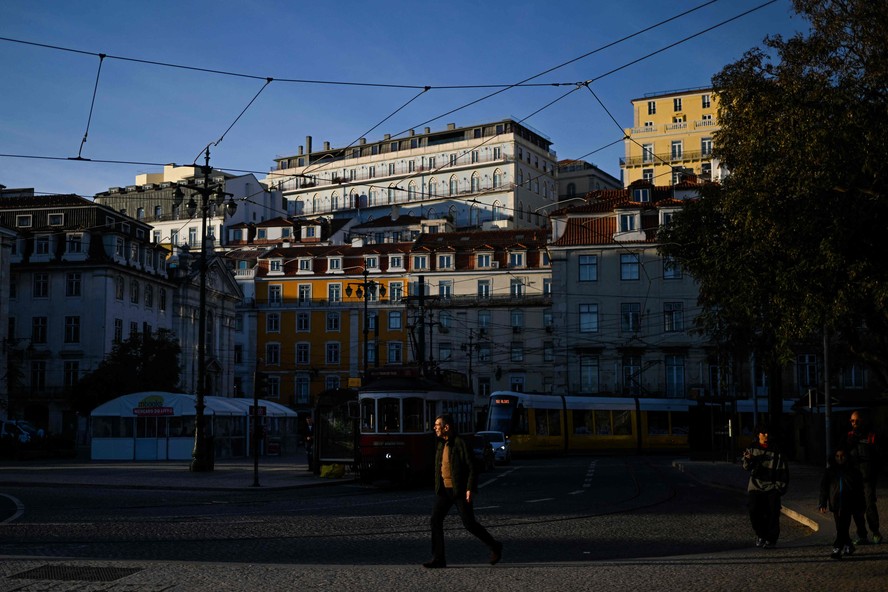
(502,448)
(483,451)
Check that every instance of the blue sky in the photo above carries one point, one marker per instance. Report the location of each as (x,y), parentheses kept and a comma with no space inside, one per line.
(150,114)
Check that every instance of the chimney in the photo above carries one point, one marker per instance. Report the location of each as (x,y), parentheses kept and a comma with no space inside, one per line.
(387,137)
(300,151)
(308,144)
(412,132)
(428,130)
(326,146)
(451,126)
(362,141)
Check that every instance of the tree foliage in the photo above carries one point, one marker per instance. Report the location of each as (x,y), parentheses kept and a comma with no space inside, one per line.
(140,363)
(795,241)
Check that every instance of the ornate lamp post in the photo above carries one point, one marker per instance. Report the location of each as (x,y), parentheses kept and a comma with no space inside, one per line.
(366,290)
(210,196)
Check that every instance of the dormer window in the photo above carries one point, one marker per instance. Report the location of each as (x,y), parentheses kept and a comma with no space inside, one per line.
(371,263)
(516,259)
(420,262)
(641,195)
(396,262)
(334,264)
(23,221)
(666,217)
(56,219)
(445,261)
(276,265)
(305,265)
(484,260)
(627,222)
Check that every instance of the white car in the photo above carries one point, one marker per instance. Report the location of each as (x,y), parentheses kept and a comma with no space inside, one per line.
(502,449)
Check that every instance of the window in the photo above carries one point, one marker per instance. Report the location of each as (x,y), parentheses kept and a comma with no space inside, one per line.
(516,351)
(516,288)
(647,153)
(119,287)
(38,375)
(548,351)
(516,318)
(394,320)
(706,102)
(73,284)
(278,265)
(647,175)
(630,317)
(588,268)
(118,330)
(589,374)
(71,373)
(676,104)
(273,322)
(72,329)
(483,260)
(706,146)
(275,294)
(673,316)
(671,269)
(303,322)
(806,365)
(134,292)
(334,292)
(333,321)
(677,149)
(445,352)
(396,291)
(484,289)
(445,289)
(445,261)
(74,243)
(652,107)
(588,318)
(516,259)
(56,219)
(303,353)
(395,353)
(484,319)
(627,222)
(303,389)
(41,285)
(484,351)
(420,262)
(273,353)
(149,295)
(629,266)
(41,245)
(641,195)
(304,293)
(675,376)
(631,375)
(23,221)
(547,286)
(38,329)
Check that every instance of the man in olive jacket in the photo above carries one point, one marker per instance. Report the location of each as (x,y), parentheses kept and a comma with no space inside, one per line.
(455,484)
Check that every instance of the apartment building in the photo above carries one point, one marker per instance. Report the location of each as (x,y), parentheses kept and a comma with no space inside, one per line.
(82,277)
(486,309)
(623,313)
(576,178)
(492,175)
(671,138)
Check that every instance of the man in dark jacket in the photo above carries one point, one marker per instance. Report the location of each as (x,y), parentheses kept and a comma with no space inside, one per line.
(841,492)
(455,484)
(768,480)
(861,444)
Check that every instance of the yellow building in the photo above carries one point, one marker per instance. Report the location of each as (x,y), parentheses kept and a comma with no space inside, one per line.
(671,137)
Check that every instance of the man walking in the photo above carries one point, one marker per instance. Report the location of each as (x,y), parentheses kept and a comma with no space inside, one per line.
(455,484)
(862,447)
(768,480)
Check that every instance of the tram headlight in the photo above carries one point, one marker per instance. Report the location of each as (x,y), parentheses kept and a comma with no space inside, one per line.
(388,456)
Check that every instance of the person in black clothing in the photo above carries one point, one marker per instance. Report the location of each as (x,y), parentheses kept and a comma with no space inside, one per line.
(768,480)
(455,484)
(861,445)
(841,492)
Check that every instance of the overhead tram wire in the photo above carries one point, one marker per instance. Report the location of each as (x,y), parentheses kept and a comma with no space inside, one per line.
(91,107)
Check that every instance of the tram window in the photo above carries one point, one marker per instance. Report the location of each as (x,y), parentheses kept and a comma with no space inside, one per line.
(520,423)
(602,423)
(658,423)
(413,415)
(622,423)
(548,422)
(390,409)
(431,414)
(368,415)
(582,422)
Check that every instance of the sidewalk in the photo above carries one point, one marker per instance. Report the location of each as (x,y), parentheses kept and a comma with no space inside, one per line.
(799,503)
(276,472)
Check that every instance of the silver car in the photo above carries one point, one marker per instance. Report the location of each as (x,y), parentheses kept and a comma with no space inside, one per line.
(502,449)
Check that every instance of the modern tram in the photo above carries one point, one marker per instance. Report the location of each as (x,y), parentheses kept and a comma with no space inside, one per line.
(538,423)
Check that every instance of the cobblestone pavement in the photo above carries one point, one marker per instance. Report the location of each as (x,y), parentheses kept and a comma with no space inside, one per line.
(799,564)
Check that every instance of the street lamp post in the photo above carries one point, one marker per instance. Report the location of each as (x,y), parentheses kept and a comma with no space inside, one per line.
(201,455)
(365,290)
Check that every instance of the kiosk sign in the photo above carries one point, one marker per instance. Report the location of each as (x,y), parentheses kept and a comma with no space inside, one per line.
(152,406)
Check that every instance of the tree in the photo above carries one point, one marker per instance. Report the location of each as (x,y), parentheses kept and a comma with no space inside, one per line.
(794,242)
(140,363)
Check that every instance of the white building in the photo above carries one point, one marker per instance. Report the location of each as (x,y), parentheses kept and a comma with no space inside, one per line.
(493,175)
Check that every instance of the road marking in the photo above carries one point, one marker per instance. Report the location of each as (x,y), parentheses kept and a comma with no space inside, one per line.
(499,476)
(578,491)
(543,499)
(20,509)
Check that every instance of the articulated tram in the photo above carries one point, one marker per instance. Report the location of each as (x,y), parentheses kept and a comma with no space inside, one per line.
(537,423)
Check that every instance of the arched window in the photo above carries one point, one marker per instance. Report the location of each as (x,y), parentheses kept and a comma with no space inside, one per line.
(411,191)
(454,185)
(520,211)
(315,203)
(520,177)
(497,178)
(432,189)
(476,182)
(391,193)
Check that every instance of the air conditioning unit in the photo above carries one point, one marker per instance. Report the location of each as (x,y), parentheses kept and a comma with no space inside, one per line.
(494,264)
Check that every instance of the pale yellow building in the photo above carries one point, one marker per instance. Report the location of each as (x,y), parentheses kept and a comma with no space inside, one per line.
(671,138)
